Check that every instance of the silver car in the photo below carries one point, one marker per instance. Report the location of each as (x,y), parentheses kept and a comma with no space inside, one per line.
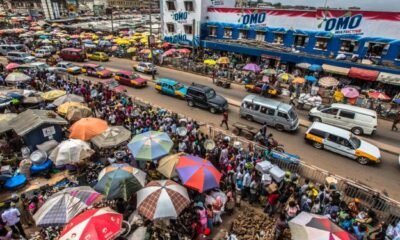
(20,57)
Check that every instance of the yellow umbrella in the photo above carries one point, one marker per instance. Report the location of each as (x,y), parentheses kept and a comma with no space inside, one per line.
(143,40)
(166,165)
(137,34)
(122,42)
(131,50)
(285,77)
(95,37)
(52,95)
(136,37)
(109,37)
(223,60)
(145,34)
(299,80)
(210,62)
(63,108)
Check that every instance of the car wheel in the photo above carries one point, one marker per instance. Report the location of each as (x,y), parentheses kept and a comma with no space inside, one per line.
(191,104)
(317,145)
(316,119)
(363,160)
(357,131)
(279,127)
(213,110)
(249,118)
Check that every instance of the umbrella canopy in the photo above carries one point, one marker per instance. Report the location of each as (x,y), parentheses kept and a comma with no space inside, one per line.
(63,108)
(61,207)
(165,45)
(150,145)
(315,68)
(299,80)
(310,78)
(87,128)
(197,173)
(209,62)
(307,226)
(112,137)
(252,67)
(12,66)
(145,51)
(162,199)
(167,165)
(120,182)
(76,113)
(131,50)
(70,151)
(68,98)
(350,92)
(16,77)
(379,95)
(285,77)
(303,65)
(183,51)
(169,52)
(97,223)
(223,60)
(52,95)
(328,82)
(269,72)
(265,79)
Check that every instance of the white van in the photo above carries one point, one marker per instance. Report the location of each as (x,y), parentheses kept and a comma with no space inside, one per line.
(6,48)
(356,119)
(42,53)
(324,136)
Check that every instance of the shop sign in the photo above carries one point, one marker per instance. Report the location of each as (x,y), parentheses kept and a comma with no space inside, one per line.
(254,18)
(49,131)
(344,25)
(180,17)
(178,38)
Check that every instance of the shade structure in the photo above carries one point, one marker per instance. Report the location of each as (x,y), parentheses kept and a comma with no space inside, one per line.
(223,60)
(145,51)
(150,145)
(169,52)
(210,62)
(71,151)
(198,173)
(68,98)
(252,67)
(328,82)
(315,68)
(52,95)
(112,137)
(76,113)
(335,70)
(307,226)
(165,44)
(183,51)
(17,77)
(310,78)
(162,199)
(12,66)
(303,65)
(166,166)
(269,72)
(265,79)
(285,77)
(364,74)
(350,92)
(389,78)
(87,128)
(97,223)
(131,50)
(299,80)
(63,108)
(120,181)
(61,207)
(379,95)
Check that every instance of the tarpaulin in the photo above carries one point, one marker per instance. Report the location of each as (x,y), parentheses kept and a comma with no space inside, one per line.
(335,70)
(389,78)
(364,74)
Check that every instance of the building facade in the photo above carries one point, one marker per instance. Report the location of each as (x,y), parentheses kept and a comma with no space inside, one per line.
(24,6)
(124,4)
(145,6)
(56,9)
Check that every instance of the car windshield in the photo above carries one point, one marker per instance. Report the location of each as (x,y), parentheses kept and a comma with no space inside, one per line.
(355,141)
(150,65)
(292,115)
(178,86)
(113,84)
(69,65)
(134,76)
(321,107)
(24,55)
(210,93)
(100,68)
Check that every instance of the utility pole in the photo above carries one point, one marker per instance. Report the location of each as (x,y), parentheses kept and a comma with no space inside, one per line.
(150,41)
(109,11)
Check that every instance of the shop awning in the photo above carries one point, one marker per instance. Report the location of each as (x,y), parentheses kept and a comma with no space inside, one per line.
(389,78)
(364,74)
(335,70)
(303,65)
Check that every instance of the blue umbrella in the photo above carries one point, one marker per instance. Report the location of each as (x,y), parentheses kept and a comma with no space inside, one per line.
(150,145)
(315,68)
(396,100)
(310,78)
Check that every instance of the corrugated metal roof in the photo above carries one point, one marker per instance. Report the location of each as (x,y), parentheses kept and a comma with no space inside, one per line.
(31,119)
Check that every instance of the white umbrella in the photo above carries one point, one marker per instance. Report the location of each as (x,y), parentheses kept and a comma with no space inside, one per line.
(68,98)
(70,151)
(163,199)
(16,77)
(112,137)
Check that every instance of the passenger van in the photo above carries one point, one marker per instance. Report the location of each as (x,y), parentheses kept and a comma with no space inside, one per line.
(280,115)
(356,119)
(6,48)
(73,54)
(343,142)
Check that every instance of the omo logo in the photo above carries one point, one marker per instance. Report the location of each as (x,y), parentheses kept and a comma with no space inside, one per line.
(254,18)
(180,16)
(343,23)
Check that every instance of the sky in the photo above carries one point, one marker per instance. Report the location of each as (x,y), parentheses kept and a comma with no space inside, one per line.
(373,5)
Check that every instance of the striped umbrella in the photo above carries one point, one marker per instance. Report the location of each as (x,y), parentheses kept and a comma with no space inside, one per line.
(61,207)
(162,199)
(328,82)
(120,181)
(379,95)
(197,173)
(150,145)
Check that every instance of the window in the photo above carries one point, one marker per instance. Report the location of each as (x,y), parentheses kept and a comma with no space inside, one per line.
(188,29)
(333,138)
(248,105)
(300,40)
(256,107)
(317,133)
(283,115)
(171,5)
(344,142)
(322,43)
(227,32)
(376,49)
(347,114)
(212,31)
(278,38)
(331,111)
(267,111)
(189,6)
(171,27)
(260,35)
(243,33)
(349,46)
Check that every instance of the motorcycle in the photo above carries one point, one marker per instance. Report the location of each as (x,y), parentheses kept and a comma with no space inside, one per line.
(269,142)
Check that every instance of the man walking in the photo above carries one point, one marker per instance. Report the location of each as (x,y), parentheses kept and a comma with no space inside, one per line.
(11,217)
(396,121)
(225,120)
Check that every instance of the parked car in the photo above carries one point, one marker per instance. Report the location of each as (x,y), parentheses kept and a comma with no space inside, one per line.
(356,119)
(113,85)
(145,67)
(130,79)
(98,56)
(49,48)
(205,97)
(68,68)
(96,70)
(42,53)
(171,87)
(256,88)
(6,48)
(324,136)
(20,57)
(73,54)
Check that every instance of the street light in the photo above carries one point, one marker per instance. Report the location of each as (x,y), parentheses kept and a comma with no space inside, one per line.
(150,41)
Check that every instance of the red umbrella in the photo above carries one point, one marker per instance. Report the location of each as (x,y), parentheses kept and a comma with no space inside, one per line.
(97,223)
(184,51)
(165,45)
(379,95)
(12,66)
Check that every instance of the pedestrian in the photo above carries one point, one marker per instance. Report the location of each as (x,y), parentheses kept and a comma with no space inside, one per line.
(263,130)
(396,120)
(22,206)
(280,226)
(292,209)
(225,120)
(210,216)
(11,217)
(253,190)
(271,203)
(246,185)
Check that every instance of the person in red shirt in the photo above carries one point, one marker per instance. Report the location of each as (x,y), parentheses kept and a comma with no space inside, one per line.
(225,120)
(271,203)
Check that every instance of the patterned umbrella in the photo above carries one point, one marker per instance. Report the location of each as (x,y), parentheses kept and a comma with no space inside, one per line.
(71,152)
(252,67)
(150,145)
(379,95)
(198,173)
(97,223)
(68,98)
(64,108)
(120,181)
(112,137)
(61,207)
(328,82)
(162,199)
(16,77)
(350,92)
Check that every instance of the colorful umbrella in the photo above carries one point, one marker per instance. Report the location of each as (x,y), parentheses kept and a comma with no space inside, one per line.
(61,207)
(223,60)
(87,128)
(97,223)
(315,68)
(71,151)
(150,145)
(210,62)
(68,98)
(299,80)
(162,199)
(328,82)
(269,72)
(265,79)
(145,51)
(167,165)
(379,95)
(63,108)
(52,95)
(198,173)
(184,51)
(12,66)
(310,78)
(350,92)
(16,77)
(165,45)
(285,77)
(131,50)
(168,52)
(120,181)
(112,137)
(252,67)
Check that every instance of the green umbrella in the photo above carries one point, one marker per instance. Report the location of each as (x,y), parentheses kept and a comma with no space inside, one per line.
(269,72)
(150,145)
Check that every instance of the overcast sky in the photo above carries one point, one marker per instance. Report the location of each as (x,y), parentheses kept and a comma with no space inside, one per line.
(374,5)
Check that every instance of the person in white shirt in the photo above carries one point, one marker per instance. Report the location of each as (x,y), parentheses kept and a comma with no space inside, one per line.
(11,217)
(246,184)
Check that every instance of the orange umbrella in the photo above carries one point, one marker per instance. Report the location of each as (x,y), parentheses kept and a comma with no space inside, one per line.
(299,80)
(87,128)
